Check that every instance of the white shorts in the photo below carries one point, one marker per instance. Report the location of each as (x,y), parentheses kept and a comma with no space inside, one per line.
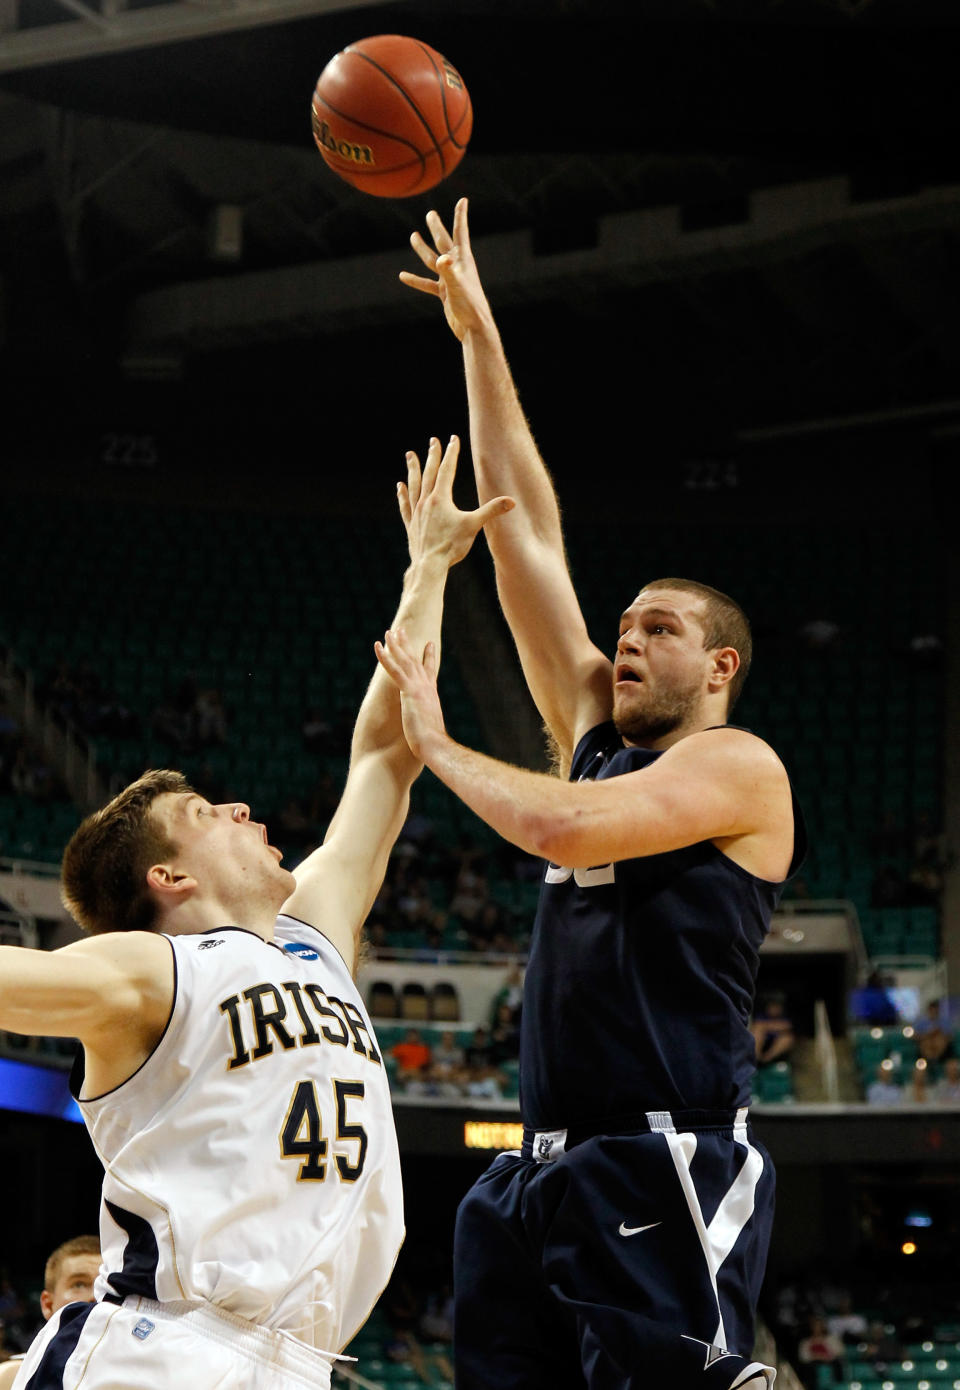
(141,1345)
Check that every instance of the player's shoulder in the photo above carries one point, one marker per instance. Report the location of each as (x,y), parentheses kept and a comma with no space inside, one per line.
(301,938)
(122,948)
(730,748)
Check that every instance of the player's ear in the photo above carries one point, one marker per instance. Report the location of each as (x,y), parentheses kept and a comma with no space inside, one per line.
(46,1304)
(169,883)
(725,665)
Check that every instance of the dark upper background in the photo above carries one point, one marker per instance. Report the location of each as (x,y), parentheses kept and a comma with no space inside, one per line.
(111,168)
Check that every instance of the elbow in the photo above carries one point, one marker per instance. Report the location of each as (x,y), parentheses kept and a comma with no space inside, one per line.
(557,838)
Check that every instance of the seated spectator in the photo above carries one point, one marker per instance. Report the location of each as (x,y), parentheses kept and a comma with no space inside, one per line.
(873,1003)
(510,993)
(412,1056)
(772,1031)
(504,1037)
(883,1090)
(934,1043)
(883,1345)
(469,895)
(948,1087)
(820,1348)
(484,1083)
(486,927)
(478,1053)
(918,1089)
(844,1323)
(448,1056)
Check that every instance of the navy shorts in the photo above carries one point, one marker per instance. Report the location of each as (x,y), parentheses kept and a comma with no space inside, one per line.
(623,1261)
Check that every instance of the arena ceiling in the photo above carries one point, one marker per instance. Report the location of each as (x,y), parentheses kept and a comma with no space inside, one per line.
(771,186)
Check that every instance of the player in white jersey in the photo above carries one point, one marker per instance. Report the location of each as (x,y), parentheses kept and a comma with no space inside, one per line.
(230,1077)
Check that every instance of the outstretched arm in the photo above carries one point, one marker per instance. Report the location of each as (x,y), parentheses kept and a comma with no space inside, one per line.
(569,678)
(337,884)
(723,785)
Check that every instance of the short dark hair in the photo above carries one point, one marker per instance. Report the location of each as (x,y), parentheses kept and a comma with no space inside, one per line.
(79,1245)
(724,625)
(103,882)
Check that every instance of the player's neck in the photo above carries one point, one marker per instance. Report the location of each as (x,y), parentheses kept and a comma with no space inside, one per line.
(706,720)
(207,914)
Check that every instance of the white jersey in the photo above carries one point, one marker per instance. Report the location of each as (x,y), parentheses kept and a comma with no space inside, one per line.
(252,1161)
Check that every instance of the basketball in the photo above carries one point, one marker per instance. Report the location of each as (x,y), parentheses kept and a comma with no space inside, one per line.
(391,116)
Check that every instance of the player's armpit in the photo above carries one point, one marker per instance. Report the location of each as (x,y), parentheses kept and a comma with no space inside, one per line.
(89,989)
(338,883)
(723,785)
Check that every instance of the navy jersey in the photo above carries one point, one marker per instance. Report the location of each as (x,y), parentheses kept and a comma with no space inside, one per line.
(641,976)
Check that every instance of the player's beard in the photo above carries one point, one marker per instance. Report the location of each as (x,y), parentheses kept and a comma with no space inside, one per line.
(657,716)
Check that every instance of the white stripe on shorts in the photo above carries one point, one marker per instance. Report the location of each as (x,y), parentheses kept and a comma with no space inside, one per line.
(734,1211)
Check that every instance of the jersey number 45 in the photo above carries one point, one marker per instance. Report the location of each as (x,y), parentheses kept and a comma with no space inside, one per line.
(302,1133)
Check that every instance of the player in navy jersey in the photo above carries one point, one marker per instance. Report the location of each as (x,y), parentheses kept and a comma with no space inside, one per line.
(625,1245)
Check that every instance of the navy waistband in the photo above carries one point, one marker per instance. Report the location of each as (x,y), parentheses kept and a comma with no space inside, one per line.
(546,1145)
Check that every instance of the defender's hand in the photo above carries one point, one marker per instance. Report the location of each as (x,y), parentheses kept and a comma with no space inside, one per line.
(416,679)
(457,285)
(434,523)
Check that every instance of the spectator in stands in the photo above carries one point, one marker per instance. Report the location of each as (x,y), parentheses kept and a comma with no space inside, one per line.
(478,1052)
(819,1348)
(849,1326)
(934,1042)
(918,1090)
(883,1090)
(511,994)
(874,1004)
(469,896)
(883,1345)
(412,1056)
(487,928)
(504,1037)
(68,1277)
(773,1032)
(484,1083)
(947,1088)
(448,1056)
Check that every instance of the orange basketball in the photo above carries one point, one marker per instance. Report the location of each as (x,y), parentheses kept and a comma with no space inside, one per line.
(391,116)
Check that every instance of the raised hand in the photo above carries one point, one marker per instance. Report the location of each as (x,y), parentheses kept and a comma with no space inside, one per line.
(434,523)
(416,679)
(450,259)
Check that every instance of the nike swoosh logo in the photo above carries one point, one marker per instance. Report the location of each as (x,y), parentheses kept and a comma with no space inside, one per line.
(626,1230)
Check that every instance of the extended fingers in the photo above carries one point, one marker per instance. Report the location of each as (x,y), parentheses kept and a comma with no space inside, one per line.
(461,230)
(442,239)
(414,478)
(420,282)
(431,468)
(448,465)
(426,252)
